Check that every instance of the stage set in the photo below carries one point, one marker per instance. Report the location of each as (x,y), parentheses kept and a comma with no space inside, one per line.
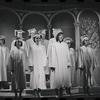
(74,18)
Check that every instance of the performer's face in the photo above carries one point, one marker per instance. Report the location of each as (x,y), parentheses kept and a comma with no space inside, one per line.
(69,43)
(1,42)
(60,37)
(37,39)
(43,36)
(86,42)
(19,34)
(32,34)
(18,44)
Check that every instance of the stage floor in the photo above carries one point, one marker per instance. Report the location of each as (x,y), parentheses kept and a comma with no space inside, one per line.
(49,94)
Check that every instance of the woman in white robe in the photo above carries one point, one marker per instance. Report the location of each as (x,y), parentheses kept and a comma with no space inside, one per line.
(87,64)
(51,41)
(74,71)
(4,53)
(61,63)
(37,63)
(17,64)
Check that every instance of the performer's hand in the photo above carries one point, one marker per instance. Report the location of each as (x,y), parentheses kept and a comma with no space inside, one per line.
(31,68)
(53,69)
(68,66)
(81,69)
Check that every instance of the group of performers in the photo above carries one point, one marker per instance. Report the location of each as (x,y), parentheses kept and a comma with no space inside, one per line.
(55,56)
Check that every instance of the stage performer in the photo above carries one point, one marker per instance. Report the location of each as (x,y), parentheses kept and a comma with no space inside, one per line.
(74,76)
(4,53)
(37,63)
(60,63)
(87,64)
(17,64)
(51,41)
(45,43)
(30,41)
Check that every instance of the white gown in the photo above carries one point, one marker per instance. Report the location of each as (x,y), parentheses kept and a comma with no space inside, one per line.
(37,59)
(60,60)
(17,64)
(51,41)
(28,43)
(45,44)
(4,53)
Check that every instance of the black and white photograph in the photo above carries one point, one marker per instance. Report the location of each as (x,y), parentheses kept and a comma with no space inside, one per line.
(49,49)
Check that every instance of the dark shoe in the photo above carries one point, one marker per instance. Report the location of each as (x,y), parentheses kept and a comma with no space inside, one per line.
(57,92)
(61,92)
(16,95)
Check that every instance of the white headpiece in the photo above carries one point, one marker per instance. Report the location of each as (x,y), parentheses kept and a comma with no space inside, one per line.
(85,37)
(2,37)
(68,39)
(56,31)
(33,31)
(19,31)
(43,31)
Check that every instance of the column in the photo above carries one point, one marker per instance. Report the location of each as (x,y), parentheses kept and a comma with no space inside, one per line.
(77,34)
(49,30)
(77,41)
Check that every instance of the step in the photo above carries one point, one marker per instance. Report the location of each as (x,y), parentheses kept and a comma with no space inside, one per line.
(74,90)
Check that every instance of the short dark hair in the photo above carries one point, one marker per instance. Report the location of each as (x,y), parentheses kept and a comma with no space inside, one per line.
(18,41)
(3,41)
(57,37)
(35,37)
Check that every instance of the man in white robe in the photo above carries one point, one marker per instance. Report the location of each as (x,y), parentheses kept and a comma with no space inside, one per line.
(60,63)
(4,53)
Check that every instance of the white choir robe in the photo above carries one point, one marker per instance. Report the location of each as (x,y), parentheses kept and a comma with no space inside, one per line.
(73,69)
(17,63)
(28,43)
(45,44)
(60,60)
(37,59)
(4,53)
(23,47)
(52,40)
(88,61)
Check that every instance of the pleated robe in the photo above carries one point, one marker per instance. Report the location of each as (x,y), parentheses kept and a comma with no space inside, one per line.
(60,60)
(4,53)
(45,44)
(17,64)
(88,62)
(52,40)
(37,59)
(28,43)
(73,67)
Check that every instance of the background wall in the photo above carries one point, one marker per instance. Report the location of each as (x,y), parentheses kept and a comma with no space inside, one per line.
(11,20)
(65,21)
(34,21)
(8,23)
(89,17)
